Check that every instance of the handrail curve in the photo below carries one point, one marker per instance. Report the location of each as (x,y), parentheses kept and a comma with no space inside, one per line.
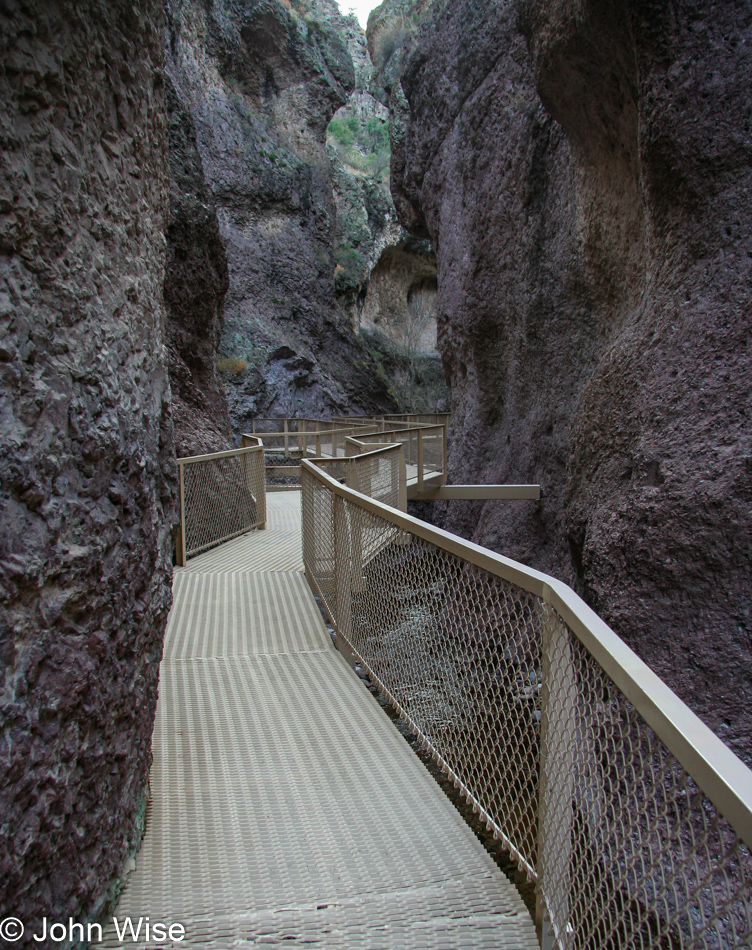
(725,779)
(687,809)
(222,495)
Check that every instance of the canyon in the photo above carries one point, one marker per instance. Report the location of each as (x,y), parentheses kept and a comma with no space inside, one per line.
(197,227)
(259,83)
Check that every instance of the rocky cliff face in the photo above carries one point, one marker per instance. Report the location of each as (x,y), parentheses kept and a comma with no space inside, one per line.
(87,460)
(196,281)
(403,270)
(586,186)
(489,175)
(358,149)
(261,80)
(380,270)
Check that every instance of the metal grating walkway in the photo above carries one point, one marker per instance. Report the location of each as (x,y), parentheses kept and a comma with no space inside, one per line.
(286,810)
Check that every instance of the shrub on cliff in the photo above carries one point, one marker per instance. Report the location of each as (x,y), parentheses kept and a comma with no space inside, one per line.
(390,38)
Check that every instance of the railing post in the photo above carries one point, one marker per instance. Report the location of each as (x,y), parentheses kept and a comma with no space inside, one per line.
(261,480)
(181,552)
(353,480)
(555,806)
(179,548)
(402,479)
(287,443)
(254,472)
(445,458)
(420,460)
(342,591)
(318,443)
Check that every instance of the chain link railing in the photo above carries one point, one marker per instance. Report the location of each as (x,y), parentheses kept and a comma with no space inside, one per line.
(317,441)
(424,444)
(222,495)
(379,473)
(631,817)
(424,447)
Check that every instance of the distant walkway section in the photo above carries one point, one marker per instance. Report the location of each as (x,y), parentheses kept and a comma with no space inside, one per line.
(285,808)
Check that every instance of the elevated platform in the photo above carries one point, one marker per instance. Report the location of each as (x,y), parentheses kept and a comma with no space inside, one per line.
(285,808)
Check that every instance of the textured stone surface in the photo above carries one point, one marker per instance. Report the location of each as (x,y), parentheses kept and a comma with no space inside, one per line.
(657,102)
(380,268)
(87,459)
(196,281)
(594,306)
(490,177)
(261,82)
(402,270)
(366,220)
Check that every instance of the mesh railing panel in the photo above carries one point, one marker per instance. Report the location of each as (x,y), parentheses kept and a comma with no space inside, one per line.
(625,849)
(261,426)
(408,439)
(432,439)
(277,444)
(433,450)
(377,476)
(223,496)
(440,636)
(329,441)
(649,861)
(317,512)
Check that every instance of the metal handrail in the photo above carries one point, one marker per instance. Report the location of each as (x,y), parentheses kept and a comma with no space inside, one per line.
(417,438)
(723,779)
(223,500)
(718,771)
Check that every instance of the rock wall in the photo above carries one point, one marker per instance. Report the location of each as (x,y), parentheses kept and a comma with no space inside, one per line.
(586,186)
(87,459)
(357,146)
(486,172)
(196,281)
(402,270)
(261,81)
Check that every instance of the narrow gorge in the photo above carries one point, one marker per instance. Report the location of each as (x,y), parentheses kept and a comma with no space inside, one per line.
(534,216)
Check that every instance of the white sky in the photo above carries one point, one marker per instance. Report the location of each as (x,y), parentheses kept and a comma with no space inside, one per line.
(361,7)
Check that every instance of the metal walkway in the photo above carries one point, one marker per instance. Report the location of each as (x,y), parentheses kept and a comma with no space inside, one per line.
(286,809)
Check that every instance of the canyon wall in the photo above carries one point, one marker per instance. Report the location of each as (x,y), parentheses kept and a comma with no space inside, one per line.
(260,81)
(87,459)
(357,146)
(583,169)
(196,281)
(385,280)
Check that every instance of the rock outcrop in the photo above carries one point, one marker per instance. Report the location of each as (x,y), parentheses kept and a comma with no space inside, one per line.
(586,186)
(358,149)
(402,271)
(380,270)
(87,470)
(196,281)
(261,81)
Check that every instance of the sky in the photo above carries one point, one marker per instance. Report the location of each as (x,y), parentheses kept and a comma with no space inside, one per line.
(361,7)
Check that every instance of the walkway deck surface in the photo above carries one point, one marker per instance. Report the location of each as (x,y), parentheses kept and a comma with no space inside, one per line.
(286,809)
